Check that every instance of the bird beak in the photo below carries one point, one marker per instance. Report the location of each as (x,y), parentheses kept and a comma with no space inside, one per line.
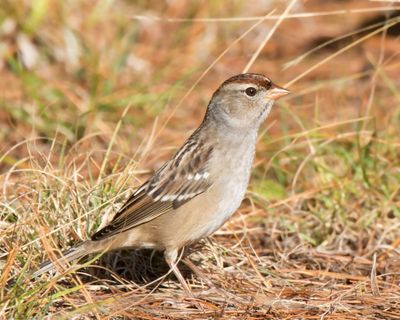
(277,92)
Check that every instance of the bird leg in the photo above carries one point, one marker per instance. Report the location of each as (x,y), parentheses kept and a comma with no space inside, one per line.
(172,259)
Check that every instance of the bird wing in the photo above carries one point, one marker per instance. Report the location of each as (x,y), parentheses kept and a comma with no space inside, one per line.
(182,178)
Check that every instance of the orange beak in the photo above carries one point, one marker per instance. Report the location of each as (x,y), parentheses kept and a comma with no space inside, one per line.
(276,92)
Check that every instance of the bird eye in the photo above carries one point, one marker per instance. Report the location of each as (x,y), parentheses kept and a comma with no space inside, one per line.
(250,91)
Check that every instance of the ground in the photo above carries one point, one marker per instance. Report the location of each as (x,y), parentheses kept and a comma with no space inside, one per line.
(95,96)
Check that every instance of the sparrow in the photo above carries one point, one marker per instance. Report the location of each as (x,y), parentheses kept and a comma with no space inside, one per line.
(195,192)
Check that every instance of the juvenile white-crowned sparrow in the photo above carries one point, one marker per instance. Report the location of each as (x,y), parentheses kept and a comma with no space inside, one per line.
(200,187)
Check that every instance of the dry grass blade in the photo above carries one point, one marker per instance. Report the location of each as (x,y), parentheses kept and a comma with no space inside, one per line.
(272,17)
(392,22)
(269,35)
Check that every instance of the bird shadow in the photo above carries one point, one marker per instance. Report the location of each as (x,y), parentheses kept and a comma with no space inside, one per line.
(141,267)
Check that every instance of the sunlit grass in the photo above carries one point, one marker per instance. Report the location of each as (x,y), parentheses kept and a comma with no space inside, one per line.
(109,98)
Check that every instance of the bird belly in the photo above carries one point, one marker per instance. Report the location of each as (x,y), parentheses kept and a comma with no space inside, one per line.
(218,204)
(210,210)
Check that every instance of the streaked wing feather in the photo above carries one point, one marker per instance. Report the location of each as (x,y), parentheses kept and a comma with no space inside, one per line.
(141,210)
(182,178)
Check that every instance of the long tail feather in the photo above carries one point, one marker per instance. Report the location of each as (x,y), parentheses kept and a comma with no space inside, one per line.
(67,256)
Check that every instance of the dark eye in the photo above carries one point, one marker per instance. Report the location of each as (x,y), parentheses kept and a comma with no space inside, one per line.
(250,91)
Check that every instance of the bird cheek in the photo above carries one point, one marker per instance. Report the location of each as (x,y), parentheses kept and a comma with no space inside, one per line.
(228,110)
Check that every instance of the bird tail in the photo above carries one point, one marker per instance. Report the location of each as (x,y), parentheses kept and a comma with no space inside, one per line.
(73,253)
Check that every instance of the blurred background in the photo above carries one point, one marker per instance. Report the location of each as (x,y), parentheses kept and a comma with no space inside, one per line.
(69,68)
(95,95)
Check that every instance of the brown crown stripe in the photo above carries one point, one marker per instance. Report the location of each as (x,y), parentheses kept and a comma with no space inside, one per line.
(257,79)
